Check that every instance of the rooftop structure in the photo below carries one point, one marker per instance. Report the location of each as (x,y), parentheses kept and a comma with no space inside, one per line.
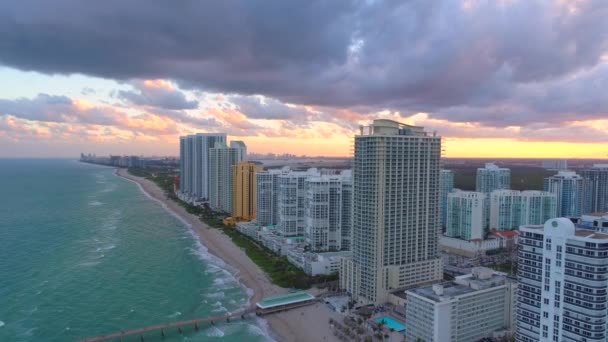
(286,301)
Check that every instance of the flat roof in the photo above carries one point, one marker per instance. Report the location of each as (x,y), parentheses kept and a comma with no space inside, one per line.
(290,298)
(452,289)
(590,233)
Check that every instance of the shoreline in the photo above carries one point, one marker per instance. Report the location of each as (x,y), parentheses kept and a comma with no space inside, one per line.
(305,324)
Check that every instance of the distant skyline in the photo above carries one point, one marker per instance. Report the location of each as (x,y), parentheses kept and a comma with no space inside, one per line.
(502,79)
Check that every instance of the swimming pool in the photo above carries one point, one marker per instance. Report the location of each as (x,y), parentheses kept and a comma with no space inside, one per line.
(390,323)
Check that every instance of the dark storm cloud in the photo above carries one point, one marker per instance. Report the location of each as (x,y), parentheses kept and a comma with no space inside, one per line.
(495,62)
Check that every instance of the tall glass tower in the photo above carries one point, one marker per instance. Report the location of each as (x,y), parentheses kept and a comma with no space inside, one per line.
(396,215)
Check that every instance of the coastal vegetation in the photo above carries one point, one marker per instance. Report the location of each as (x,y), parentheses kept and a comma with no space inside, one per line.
(278,268)
(522,177)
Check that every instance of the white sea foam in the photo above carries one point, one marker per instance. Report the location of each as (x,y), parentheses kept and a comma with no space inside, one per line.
(30,332)
(218,307)
(89,264)
(262,324)
(95,203)
(213,263)
(1,324)
(177,313)
(215,332)
(215,295)
(105,248)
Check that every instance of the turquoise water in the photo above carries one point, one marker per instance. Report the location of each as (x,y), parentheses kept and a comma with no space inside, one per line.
(391,323)
(84,253)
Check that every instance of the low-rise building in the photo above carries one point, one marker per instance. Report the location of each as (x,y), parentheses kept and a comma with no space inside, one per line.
(472,307)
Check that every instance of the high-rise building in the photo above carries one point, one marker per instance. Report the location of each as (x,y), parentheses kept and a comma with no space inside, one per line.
(324,212)
(183,170)
(562,283)
(596,189)
(221,160)
(267,197)
(346,210)
(446,184)
(568,187)
(466,215)
(292,202)
(200,180)
(244,187)
(537,207)
(396,215)
(555,164)
(194,164)
(510,209)
(469,308)
(491,177)
(187,165)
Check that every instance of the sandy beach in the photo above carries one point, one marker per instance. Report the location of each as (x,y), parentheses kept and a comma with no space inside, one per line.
(306,324)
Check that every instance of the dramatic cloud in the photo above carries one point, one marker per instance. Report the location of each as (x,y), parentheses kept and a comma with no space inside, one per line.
(531,69)
(157,93)
(61,109)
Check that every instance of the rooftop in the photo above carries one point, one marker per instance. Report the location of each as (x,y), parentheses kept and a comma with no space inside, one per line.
(590,234)
(390,127)
(290,298)
(462,285)
(598,214)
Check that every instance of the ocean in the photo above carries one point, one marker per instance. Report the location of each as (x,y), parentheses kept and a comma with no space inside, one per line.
(84,252)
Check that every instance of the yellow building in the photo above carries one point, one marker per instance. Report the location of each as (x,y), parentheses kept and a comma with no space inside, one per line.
(243,191)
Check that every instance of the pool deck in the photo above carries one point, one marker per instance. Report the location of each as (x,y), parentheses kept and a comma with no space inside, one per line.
(390,323)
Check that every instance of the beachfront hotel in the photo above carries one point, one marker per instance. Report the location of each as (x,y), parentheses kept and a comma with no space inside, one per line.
(194,164)
(396,214)
(292,202)
(469,308)
(327,205)
(562,283)
(568,187)
(243,191)
(267,197)
(221,160)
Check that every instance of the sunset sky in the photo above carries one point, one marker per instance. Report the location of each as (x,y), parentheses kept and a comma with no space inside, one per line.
(494,78)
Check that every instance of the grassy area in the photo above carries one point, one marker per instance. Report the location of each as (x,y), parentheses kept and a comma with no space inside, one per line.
(281,271)
(162,178)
